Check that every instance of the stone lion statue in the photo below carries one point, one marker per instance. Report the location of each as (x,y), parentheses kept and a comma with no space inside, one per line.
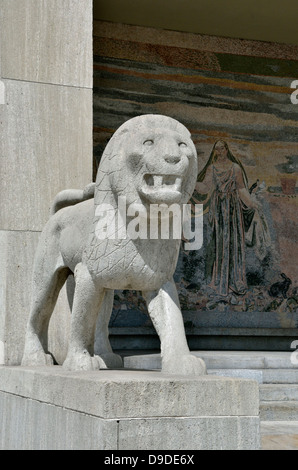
(150,159)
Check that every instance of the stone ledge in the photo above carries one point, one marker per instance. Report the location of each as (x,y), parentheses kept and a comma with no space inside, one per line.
(269,361)
(147,393)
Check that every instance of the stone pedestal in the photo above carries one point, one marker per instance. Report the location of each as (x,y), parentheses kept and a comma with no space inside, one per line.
(49,408)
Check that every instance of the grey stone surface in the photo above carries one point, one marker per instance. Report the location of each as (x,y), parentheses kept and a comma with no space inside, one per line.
(101,393)
(49,42)
(142,361)
(206,433)
(265,367)
(17,250)
(150,161)
(279,427)
(280,376)
(46,142)
(279,410)
(280,435)
(27,424)
(279,392)
(247,359)
(271,361)
(243,373)
(50,408)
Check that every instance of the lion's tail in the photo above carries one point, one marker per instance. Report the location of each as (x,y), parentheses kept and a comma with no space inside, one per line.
(70,197)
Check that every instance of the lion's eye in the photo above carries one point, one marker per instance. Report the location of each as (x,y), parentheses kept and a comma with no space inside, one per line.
(148,142)
(182,144)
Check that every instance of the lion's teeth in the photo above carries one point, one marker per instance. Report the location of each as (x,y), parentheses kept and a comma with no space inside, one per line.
(178,183)
(157,180)
(163,182)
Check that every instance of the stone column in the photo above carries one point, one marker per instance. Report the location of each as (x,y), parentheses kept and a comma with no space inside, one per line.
(46,67)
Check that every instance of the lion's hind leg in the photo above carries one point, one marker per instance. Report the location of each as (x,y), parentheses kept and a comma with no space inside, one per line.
(47,283)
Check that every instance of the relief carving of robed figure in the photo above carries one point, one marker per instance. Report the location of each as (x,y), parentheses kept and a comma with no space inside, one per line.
(235,217)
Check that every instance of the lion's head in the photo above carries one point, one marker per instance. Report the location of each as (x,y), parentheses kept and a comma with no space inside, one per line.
(150,159)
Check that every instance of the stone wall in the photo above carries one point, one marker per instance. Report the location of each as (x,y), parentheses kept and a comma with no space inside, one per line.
(45,143)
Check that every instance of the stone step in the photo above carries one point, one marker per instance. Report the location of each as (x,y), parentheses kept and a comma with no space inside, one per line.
(278,402)
(263,376)
(248,368)
(247,359)
(279,410)
(252,374)
(223,360)
(278,392)
(280,376)
(276,374)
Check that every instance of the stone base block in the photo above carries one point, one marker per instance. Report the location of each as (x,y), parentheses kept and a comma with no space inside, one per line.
(47,408)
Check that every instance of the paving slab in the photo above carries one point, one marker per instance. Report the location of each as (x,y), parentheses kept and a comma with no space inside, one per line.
(279,435)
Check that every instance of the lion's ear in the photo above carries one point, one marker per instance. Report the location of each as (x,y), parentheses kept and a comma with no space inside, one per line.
(123,131)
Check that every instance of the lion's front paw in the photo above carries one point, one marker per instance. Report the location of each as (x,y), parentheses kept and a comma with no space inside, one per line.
(110,361)
(185,365)
(81,361)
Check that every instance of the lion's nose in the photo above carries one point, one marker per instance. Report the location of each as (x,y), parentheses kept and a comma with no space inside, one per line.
(171,158)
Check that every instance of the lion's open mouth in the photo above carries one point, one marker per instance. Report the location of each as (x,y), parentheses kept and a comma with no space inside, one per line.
(163,182)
